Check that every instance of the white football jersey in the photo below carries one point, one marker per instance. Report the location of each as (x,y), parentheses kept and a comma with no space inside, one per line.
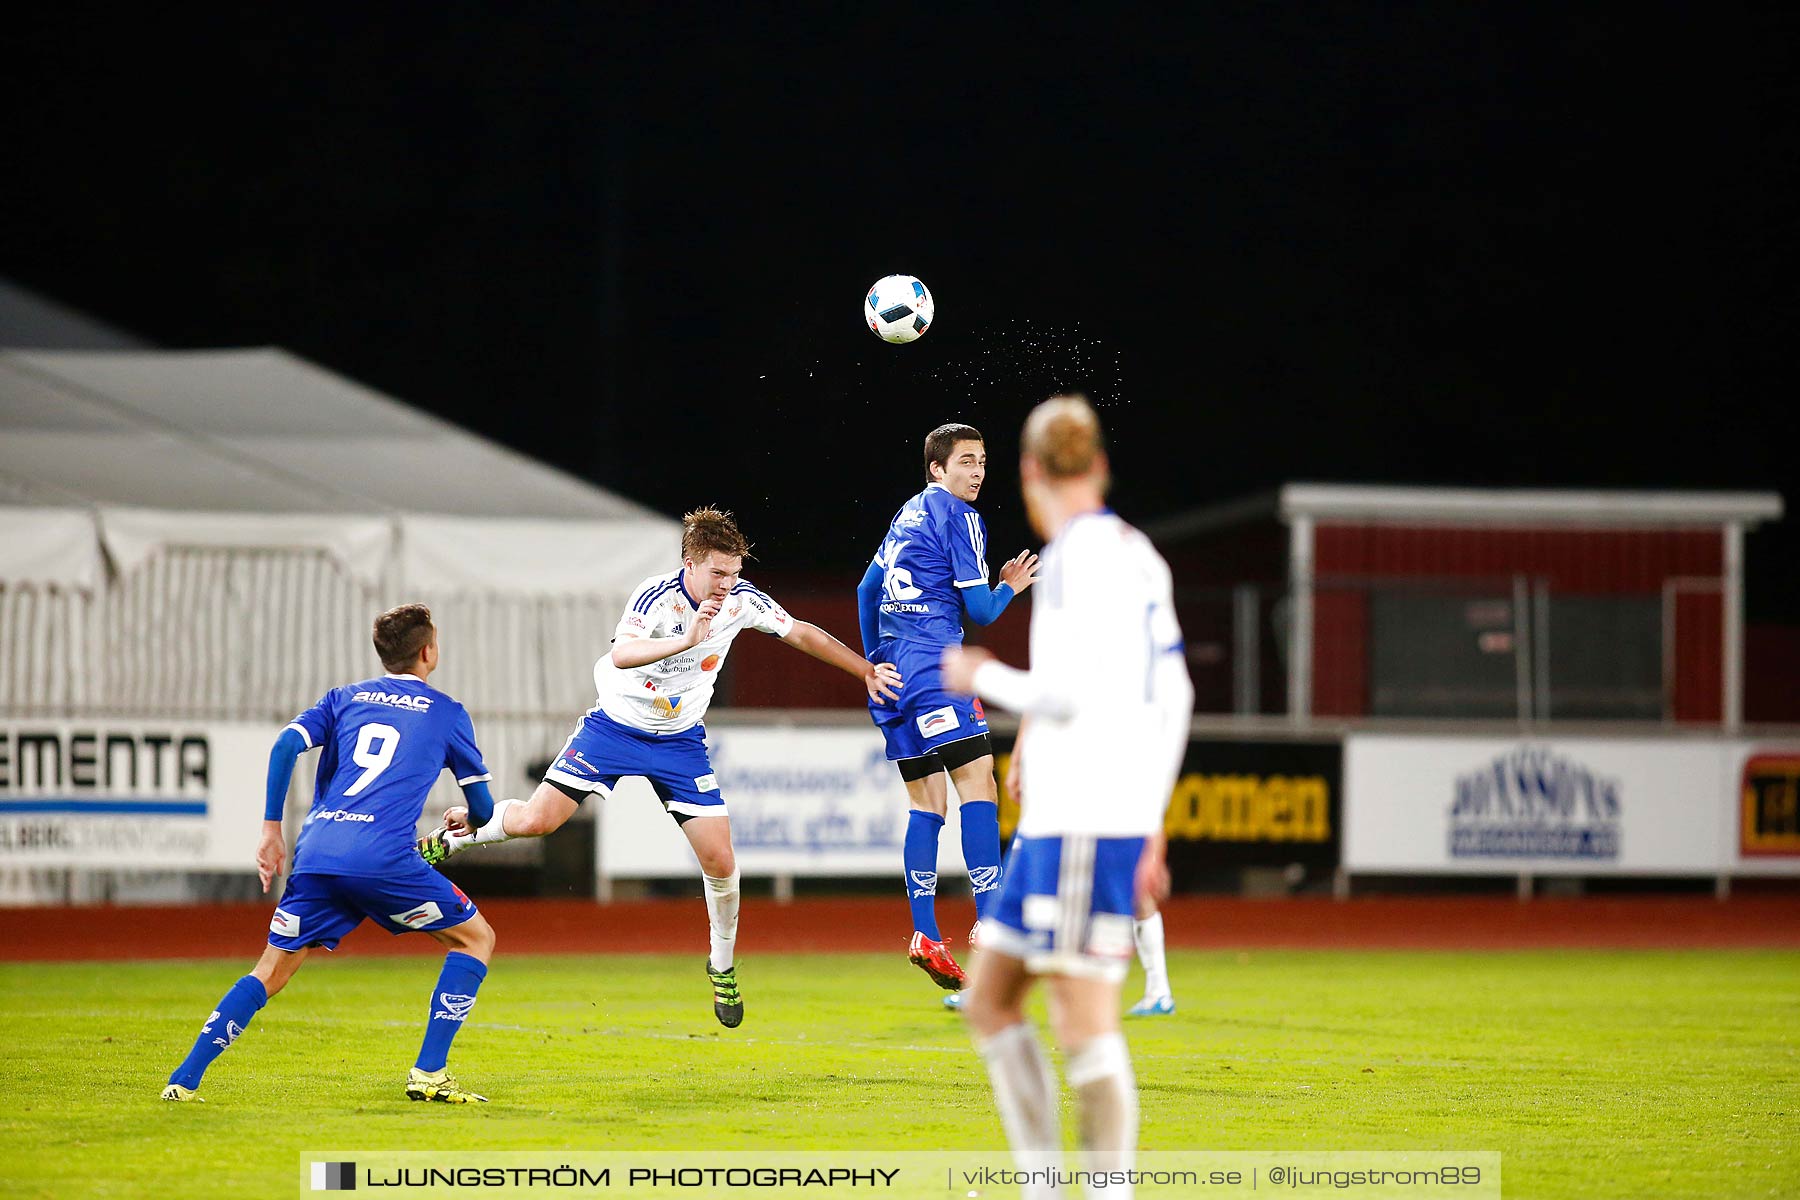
(1108,694)
(671,695)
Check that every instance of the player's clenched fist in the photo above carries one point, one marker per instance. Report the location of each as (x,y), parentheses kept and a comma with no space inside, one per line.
(456,820)
(701,629)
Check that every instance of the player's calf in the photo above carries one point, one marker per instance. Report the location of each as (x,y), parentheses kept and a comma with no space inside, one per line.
(229,1019)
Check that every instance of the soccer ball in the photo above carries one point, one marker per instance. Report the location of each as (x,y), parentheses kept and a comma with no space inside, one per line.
(898,309)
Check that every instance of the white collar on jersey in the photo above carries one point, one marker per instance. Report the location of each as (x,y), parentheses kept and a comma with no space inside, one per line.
(403,675)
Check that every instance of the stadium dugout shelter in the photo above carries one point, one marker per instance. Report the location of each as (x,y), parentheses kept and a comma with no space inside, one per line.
(1353,602)
(196,542)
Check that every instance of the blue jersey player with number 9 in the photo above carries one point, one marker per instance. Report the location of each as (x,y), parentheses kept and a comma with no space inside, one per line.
(930,572)
(382,743)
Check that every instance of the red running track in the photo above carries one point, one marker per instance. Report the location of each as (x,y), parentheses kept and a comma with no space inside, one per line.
(863,923)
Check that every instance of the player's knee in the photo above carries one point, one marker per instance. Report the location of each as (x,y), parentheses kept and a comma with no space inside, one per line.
(985,1014)
(718,863)
(275,968)
(476,938)
(1075,1025)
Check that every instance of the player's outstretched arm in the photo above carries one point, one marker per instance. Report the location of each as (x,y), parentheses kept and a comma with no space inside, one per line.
(880,679)
(974,671)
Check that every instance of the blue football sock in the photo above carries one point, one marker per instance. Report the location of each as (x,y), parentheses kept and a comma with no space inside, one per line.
(981,851)
(451,1001)
(922,829)
(235,1009)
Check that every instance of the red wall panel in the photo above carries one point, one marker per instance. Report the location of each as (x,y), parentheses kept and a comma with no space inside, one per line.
(1699,657)
(1584,560)
(1340,653)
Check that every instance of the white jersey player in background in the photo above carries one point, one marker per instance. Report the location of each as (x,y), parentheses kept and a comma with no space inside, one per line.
(1108,702)
(654,686)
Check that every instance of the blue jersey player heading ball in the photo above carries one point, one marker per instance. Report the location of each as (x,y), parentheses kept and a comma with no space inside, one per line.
(382,743)
(931,572)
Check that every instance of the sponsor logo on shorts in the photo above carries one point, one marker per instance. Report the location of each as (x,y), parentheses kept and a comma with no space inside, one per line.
(938,720)
(340,814)
(980,712)
(419,917)
(575,764)
(984,879)
(455,1007)
(924,883)
(1110,936)
(1039,912)
(395,700)
(284,923)
(706,783)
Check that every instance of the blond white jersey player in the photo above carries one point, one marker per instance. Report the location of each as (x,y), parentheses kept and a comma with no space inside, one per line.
(1107,703)
(654,686)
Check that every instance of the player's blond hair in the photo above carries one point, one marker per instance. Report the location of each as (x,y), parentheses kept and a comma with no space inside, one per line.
(1063,435)
(401,633)
(707,529)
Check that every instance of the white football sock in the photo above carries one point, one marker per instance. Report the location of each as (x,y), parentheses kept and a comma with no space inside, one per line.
(493,831)
(1149,939)
(1025,1092)
(722,915)
(1106,1105)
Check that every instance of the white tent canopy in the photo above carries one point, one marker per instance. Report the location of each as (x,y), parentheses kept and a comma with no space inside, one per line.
(257,448)
(207,535)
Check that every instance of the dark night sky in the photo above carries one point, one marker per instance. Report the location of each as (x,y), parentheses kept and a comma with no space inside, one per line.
(1438,243)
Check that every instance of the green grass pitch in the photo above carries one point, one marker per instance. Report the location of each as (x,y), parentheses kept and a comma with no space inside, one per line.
(1595,1074)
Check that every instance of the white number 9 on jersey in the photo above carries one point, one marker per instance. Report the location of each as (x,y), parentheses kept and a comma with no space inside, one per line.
(373,759)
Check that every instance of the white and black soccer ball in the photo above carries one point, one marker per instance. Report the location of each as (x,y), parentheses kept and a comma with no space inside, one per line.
(898,309)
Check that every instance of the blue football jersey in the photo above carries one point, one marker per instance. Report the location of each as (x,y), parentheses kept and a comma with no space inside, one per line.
(936,544)
(382,743)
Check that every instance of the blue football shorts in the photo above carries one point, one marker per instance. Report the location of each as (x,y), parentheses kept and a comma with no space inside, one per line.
(318,910)
(602,751)
(926,717)
(1065,905)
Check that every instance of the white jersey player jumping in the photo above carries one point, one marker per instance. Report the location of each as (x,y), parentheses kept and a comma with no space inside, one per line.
(654,686)
(1107,702)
